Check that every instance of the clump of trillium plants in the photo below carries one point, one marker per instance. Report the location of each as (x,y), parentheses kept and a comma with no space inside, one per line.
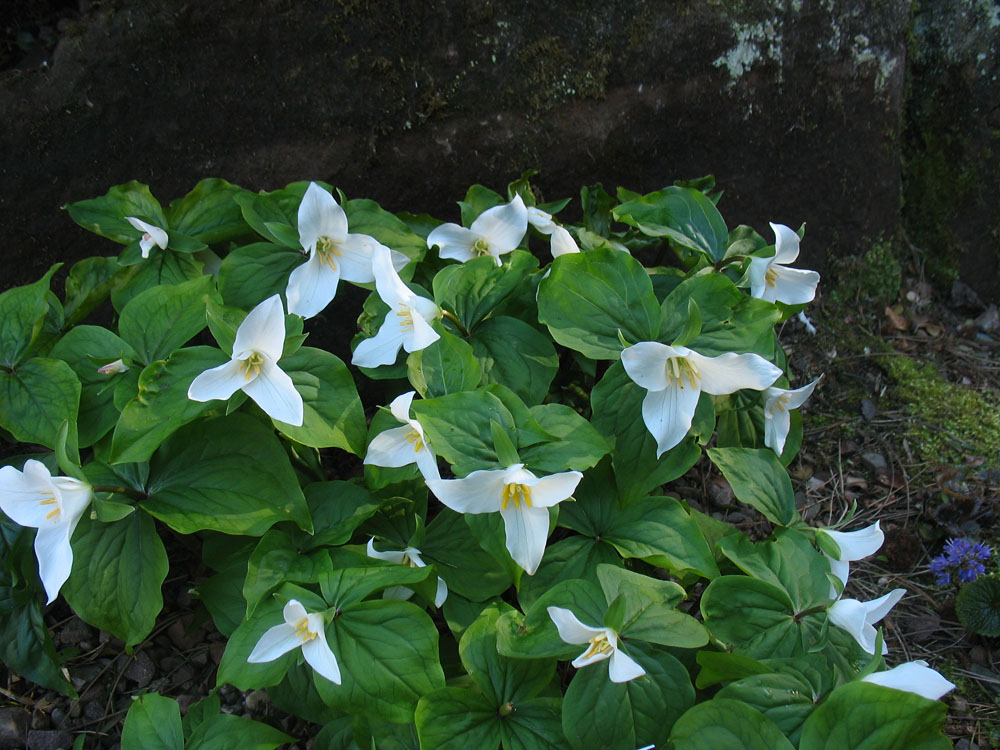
(508,567)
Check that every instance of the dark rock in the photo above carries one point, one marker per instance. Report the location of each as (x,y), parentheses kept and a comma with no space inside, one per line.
(40,739)
(876,462)
(13,727)
(868,409)
(75,631)
(141,670)
(964,297)
(257,701)
(989,321)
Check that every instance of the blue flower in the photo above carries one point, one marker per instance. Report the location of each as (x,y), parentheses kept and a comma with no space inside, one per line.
(962,557)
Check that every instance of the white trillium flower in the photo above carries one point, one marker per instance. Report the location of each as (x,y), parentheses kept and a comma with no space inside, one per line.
(334,254)
(859,618)
(495,232)
(777,420)
(151,235)
(772,281)
(407,325)
(913,677)
(299,629)
(561,241)
(675,376)
(113,368)
(402,446)
(522,499)
(603,645)
(411,558)
(254,367)
(53,505)
(854,545)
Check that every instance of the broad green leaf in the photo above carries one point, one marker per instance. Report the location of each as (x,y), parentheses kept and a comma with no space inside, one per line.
(343,586)
(723,724)
(88,285)
(106,215)
(36,397)
(722,666)
(573,557)
(367,217)
(337,509)
(332,412)
(457,719)
(277,559)
(785,699)
(153,722)
(208,213)
(159,269)
(533,725)
(589,299)
(617,404)
(478,198)
(596,506)
(579,445)
(272,215)
(534,635)
(229,474)
(685,215)
(862,716)
(388,655)
(22,312)
(758,479)
(228,732)
(161,406)
(465,566)
(446,366)
(118,569)
(516,355)
(252,273)
(458,426)
(297,694)
(162,319)
(648,609)
(479,288)
(200,712)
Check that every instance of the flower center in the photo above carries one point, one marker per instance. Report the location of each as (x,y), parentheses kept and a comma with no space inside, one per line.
(516,493)
(409,561)
(328,250)
(481,248)
(770,276)
(302,630)
(680,369)
(405,318)
(251,365)
(49,498)
(414,437)
(147,237)
(599,644)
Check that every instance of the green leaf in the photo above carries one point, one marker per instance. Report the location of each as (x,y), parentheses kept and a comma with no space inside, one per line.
(252,273)
(723,724)
(162,406)
(516,355)
(785,699)
(118,569)
(446,366)
(208,213)
(861,716)
(458,426)
(503,445)
(332,411)
(457,719)
(36,397)
(466,567)
(26,647)
(685,215)
(159,269)
(344,586)
(692,326)
(388,655)
(277,559)
(22,312)
(106,215)
(229,474)
(617,405)
(88,285)
(153,723)
(534,635)
(758,479)
(163,318)
(337,509)
(589,298)
(573,557)
(367,217)
(474,290)
(579,446)
(200,712)
(228,732)
(271,215)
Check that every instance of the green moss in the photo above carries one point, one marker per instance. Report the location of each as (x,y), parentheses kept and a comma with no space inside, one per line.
(874,277)
(947,421)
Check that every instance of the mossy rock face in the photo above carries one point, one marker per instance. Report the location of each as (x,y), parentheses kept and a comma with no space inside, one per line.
(794,106)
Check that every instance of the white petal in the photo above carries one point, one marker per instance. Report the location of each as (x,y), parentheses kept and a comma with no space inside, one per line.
(731,372)
(913,677)
(320,216)
(453,242)
(21,493)
(275,393)
(841,569)
(562,242)
(218,383)
(355,258)
(526,529)
(646,363)
(294,612)
(477,493)
(392,449)
(757,273)
(311,287)
(441,594)
(798,396)
(786,244)
(569,626)
(850,614)
(540,220)
(389,286)
(420,336)
(623,667)
(384,346)
(389,555)
(879,608)
(157,236)
(859,544)
(55,555)
(777,424)
(667,415)
(502,227)
(262,330)
(555,488)
(320,657)
(400,406)
(276,642)
(427,463)
(586,658)
(793,286)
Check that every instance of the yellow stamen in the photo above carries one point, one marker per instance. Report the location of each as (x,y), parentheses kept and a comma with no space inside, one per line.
(328,250)
(517,493)
(302,630)
(598,645)
(52,514)
(770,277)
(410,562)
(251,366)
(414,437)
(406,323)
(481,248)
(680,369)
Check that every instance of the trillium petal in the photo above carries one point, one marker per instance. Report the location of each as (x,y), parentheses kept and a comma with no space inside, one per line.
(623,667)
(503,227)
(913,677)
(777,424)
(427,464)
(390,555)
(21,493)
(274,392)
(879,608)
(441,594)
(277,641)
(757,274)
(786,243)
(392,449)
(400,406)
(569,626)
(319,656)
(555,488)
(850,614)
(421,336)
(589,657)
(731,372)
(540,220)
(55,555)
(477,493)
(526,529)
(859,544)
(320,216)
(311,287)
(453,242)
(842,570)
(562,242)
(355,258)
(152,235)
(646,363)
(218,383)
(798,396)
(384,346)
(793,286)
(667,415)
(294,612)
(388,284)
(263,330)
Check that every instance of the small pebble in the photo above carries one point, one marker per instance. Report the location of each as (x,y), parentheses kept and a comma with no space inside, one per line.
(13,727)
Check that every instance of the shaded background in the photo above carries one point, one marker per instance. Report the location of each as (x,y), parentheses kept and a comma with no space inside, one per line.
(874,121)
